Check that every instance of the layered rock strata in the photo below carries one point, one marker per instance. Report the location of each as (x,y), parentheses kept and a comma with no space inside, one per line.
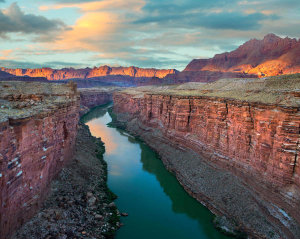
(233,144)
(38,127)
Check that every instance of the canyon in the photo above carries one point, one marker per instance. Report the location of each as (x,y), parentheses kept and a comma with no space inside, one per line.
(227,127)
(233,145)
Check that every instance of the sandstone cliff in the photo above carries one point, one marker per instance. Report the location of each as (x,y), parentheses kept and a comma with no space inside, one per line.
(270,56)
(250,128)
(38,127)
(71,73)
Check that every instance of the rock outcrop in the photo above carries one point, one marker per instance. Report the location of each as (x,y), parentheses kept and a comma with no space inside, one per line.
(250,128)
(270,56)
(38,127)
(71,73)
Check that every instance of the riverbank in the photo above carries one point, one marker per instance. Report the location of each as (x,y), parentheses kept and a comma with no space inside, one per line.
(79,205)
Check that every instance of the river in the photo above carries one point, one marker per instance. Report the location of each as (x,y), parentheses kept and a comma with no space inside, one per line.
(157,205)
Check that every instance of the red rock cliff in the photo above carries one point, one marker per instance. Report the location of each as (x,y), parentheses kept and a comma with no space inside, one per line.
(253,137)
(38,126)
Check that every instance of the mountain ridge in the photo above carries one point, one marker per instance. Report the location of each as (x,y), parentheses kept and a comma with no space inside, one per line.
(270,56)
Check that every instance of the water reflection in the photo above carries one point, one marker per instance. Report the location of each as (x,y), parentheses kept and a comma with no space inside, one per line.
(96,113)
(182,203)
(101,130)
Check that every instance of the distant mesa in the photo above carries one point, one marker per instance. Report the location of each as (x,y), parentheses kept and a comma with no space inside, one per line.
(4,76)
(86,73)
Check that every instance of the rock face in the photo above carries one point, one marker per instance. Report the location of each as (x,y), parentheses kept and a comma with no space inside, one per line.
(38,127)
(255,139)
(71,73)
(270,56)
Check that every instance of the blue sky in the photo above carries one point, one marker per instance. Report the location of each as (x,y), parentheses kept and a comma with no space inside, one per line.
(144,33)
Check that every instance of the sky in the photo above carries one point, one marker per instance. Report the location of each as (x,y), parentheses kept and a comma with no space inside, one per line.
(143,33)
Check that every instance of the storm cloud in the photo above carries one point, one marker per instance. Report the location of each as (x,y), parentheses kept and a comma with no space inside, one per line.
(13,19)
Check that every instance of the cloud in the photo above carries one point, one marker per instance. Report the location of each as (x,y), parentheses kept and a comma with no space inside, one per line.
(223,20)
(14,20)
(207,14)
(103,26)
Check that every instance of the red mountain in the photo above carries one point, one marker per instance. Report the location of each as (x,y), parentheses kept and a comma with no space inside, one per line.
(256,58)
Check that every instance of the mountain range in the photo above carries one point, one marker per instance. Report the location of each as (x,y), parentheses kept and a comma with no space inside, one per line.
(270,56)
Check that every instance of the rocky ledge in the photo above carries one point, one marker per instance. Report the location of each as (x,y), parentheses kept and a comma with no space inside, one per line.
(232,144)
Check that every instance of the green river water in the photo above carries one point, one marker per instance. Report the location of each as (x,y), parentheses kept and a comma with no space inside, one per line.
(157,205)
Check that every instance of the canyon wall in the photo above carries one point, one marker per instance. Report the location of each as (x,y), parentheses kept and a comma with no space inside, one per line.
(254,139)
(38,127)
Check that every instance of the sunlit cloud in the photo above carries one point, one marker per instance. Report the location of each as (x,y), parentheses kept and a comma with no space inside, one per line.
(108,5)
(6,55)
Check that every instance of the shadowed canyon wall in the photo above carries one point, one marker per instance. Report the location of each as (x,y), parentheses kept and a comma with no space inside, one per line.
(38,126)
